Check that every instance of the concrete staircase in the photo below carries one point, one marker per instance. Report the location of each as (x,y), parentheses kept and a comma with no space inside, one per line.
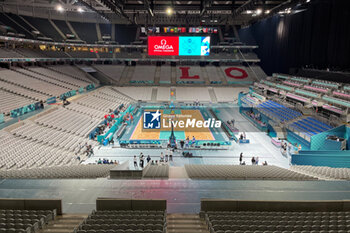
(154,94)
(173,75)
(157,75)
(64,223)
(222,76)
(205,75)
(212,95)
(185,223)
(126,75)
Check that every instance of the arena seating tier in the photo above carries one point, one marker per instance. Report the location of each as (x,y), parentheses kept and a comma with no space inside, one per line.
(310,126)
(243,172)
(143,75)
(192,93)
(156,171)
(31,82)
(40,73)
(115,221)
(8,53)
(68,121)
(27,52)
(54,54)
(326,172)
(138,93)
(61,172)
(272,221)
(59,74)
(72,72)
(86,31)
(7,20)
(24,221)
(278,111)
(45,27)
(82,54)
(58,137)
(163,93)
(10,101)
(17,152)
(112,71)
(104,100)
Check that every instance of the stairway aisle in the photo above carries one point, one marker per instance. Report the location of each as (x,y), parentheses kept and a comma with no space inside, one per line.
(205,75)
(212,95)
(64,223)
(185,223)
(154,94)
(124,76)
(178,173)
(222,76)
(173,75)
(157,75)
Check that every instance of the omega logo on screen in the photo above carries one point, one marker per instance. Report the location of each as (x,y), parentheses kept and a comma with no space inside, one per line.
(163,46)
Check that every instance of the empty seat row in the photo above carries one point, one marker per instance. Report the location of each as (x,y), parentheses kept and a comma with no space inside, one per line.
(243,172)
(263,221)
(124,221)
(327,172)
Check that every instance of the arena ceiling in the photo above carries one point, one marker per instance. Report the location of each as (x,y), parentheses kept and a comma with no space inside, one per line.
(158,12)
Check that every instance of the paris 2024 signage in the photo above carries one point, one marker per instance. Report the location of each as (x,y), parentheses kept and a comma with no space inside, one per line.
(178,45)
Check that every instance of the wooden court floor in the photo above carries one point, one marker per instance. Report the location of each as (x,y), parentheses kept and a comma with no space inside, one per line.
(180,133)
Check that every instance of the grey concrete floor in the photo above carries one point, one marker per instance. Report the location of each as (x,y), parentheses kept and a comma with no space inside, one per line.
(183,196)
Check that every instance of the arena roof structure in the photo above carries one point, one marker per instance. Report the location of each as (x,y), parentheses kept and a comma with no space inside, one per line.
(151,12)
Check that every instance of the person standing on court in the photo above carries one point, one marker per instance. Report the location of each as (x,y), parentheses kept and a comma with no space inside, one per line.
(240,158)
(135,161)
(141,161)
(253,161)
(187,142)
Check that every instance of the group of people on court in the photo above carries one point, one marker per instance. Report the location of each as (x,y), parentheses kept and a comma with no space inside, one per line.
(254,160)
(107,161)
(187,143)
(164,158)
(141,160)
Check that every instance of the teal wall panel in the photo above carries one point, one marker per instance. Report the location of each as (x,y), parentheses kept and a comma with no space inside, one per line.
(318,141)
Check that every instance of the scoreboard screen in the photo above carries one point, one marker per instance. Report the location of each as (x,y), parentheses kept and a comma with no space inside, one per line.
(179,45)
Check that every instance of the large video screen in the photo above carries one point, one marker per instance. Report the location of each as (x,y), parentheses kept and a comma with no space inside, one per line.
(179,45)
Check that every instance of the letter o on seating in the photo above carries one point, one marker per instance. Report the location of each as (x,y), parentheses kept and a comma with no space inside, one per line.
(230,69)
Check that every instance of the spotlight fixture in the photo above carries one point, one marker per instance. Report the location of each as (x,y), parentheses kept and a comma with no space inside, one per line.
(258,11)
(81,10)
(59,8)
(169,11)
(267,12)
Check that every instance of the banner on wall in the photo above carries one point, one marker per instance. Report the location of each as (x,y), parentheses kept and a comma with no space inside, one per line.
(51,100)
(68,94)
(2,118)
(25,109)
(90,87)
